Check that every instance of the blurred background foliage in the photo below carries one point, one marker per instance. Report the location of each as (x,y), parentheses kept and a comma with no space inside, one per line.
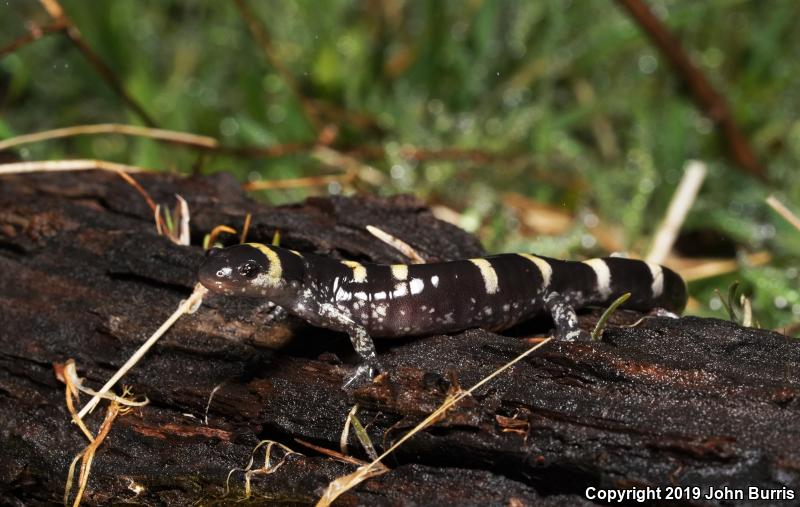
(548,126)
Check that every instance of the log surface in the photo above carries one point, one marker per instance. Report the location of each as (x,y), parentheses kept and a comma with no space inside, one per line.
(83,276)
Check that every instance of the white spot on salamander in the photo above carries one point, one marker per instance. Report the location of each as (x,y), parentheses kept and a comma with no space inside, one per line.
(224,272)
(435,280)
(416,285)
(378,296)
(488,274)
(400,290)
(361,295)
(343,295)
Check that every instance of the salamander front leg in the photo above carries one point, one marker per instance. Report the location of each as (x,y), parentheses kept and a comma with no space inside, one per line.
(564,317)
(362,343)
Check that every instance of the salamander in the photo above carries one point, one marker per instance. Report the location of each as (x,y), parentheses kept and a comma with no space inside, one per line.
(368,300)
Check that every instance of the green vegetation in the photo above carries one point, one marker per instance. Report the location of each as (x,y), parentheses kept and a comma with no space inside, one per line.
(569,101)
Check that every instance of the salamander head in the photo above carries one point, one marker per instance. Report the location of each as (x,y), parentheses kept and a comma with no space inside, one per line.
(250,269)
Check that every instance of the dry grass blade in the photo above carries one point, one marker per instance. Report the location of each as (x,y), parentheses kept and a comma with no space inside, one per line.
(86,456)
(187,306)
(360,432)
(211,238)
(246,227)
(691,269)
(168,136)
(210,399)
(182,219)
(135,184)
(346,430)
(333,454)
(68,165)
(397,244)
(268,467)
(679,207)
(68,373)
(783,211)
(309,181)
(347,482)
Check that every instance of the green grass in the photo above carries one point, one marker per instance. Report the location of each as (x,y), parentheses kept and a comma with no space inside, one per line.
(573,89)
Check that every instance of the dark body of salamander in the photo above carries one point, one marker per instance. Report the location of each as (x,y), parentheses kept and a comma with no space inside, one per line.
(373,300)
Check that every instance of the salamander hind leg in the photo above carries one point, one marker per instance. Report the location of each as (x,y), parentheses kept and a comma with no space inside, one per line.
(369,365)
(564,317)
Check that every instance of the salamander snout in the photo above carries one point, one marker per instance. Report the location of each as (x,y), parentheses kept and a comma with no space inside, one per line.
(231,270)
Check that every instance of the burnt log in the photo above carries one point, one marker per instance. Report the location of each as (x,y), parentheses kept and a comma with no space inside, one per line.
(84,276)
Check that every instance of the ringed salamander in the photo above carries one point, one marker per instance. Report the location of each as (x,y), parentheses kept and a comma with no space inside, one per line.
(494,293)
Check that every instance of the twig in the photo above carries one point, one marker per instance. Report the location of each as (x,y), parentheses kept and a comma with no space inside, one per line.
(783,211)
(71,31)
(708,99)
(169,136)
(682,201)
(342,484)
(35,32)
(259,32)
(186,306)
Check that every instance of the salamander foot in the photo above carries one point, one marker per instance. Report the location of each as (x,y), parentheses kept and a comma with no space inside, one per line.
(363,375)
(565,319)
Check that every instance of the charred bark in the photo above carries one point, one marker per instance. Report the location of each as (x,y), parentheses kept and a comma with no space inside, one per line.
(689,402)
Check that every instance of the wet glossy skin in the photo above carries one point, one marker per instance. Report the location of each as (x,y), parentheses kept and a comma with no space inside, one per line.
(494,293)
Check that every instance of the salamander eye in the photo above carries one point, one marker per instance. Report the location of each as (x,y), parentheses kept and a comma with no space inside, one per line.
(249,269)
